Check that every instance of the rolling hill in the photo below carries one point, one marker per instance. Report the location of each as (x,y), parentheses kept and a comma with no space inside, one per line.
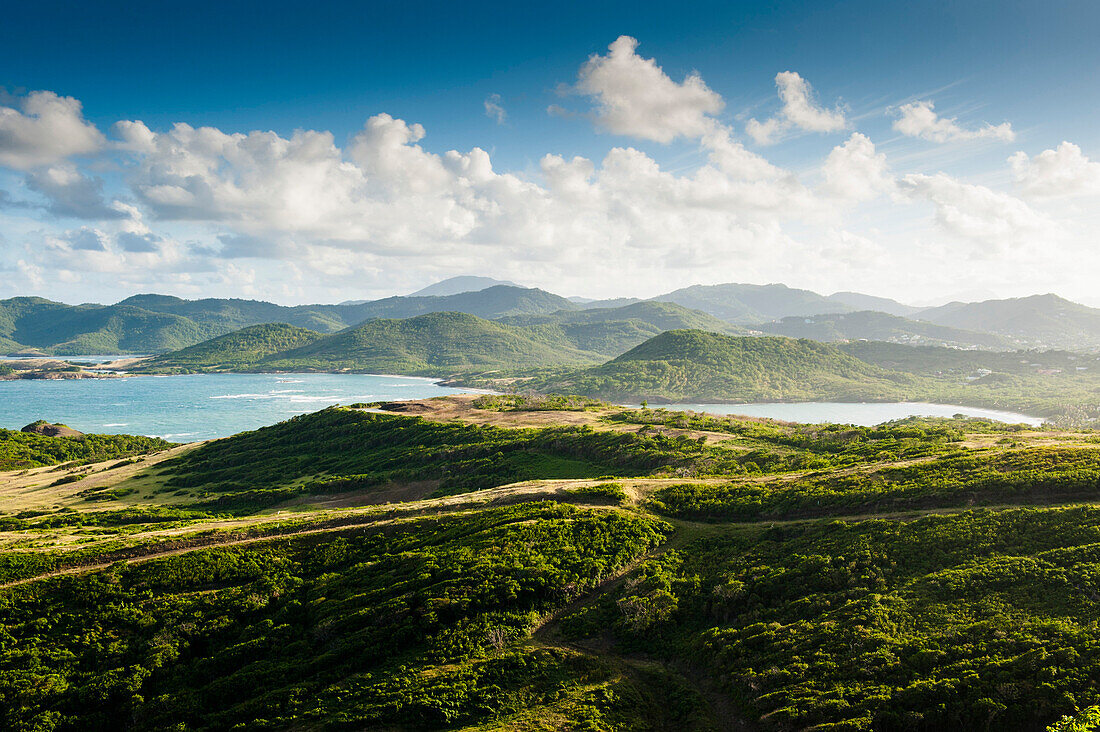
(434,344)
(79,329)
(692,365)
(1039,321)
(878,326)
(239,350)
(161,323)
(613,331)
(748,304)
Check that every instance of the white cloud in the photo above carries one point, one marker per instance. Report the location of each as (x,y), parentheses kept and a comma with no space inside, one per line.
(855,171)
(49,129)
(799,110)
(918,119)
(494,109)
(635,97)
(70,193)
(993,220)
(1064,171)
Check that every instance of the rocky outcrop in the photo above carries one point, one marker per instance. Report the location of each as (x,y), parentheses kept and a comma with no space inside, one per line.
(42,427)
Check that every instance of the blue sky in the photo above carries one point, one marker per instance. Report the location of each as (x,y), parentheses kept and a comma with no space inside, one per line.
(944,195)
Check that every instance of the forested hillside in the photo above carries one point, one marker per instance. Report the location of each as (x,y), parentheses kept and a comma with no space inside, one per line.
(1039,321)
(236,351)
(434,344)
(689,365)
(558,563)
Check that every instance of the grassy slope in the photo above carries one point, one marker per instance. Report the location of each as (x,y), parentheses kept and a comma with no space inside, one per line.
(545,616)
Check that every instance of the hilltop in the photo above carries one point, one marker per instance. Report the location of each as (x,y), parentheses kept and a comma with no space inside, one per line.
(1039,321)
(236,351)
(434,344)
(749,304)
(153,323)
(615,330)
(457,285)
(691,365)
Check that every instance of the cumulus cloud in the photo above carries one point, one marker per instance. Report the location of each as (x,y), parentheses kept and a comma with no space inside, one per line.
(47,129)
(919,119)
(978,214)
(69,193)
(800,110)
(855,171)
(635,97)
(87,239)
(1063,171)
(494,109)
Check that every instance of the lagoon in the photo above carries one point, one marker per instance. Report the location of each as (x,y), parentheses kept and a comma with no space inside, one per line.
(863,414)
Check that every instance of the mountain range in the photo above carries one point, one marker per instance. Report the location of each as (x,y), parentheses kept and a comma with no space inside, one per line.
(153,323)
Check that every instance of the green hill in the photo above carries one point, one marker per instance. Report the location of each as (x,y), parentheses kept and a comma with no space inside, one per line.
(1039,321)
(613,331)
(236,351)
(77,329)
(691,365)
(435,344)
(732,574)
(747,304)
(158,323)
(492,302)
(877,326)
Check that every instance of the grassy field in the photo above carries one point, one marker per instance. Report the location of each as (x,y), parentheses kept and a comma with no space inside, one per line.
(487,563)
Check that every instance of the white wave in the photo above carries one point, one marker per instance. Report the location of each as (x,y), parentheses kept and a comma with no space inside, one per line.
(116,424)
(242,396)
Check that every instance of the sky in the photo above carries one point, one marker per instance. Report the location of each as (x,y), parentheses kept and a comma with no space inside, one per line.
(925,151)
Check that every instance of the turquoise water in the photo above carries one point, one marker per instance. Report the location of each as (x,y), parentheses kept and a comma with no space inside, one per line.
(186,408)
(860,414)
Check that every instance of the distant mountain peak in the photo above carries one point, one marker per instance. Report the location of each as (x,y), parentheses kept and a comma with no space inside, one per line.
(460,284)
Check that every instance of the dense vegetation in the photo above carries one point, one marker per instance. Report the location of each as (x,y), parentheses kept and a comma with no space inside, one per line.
(980,620)
(687,365)
(236,351)
(703,581)
(20,450)
(344,449)
(160,323)
(1034,475)
(412,626)
(435,344)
